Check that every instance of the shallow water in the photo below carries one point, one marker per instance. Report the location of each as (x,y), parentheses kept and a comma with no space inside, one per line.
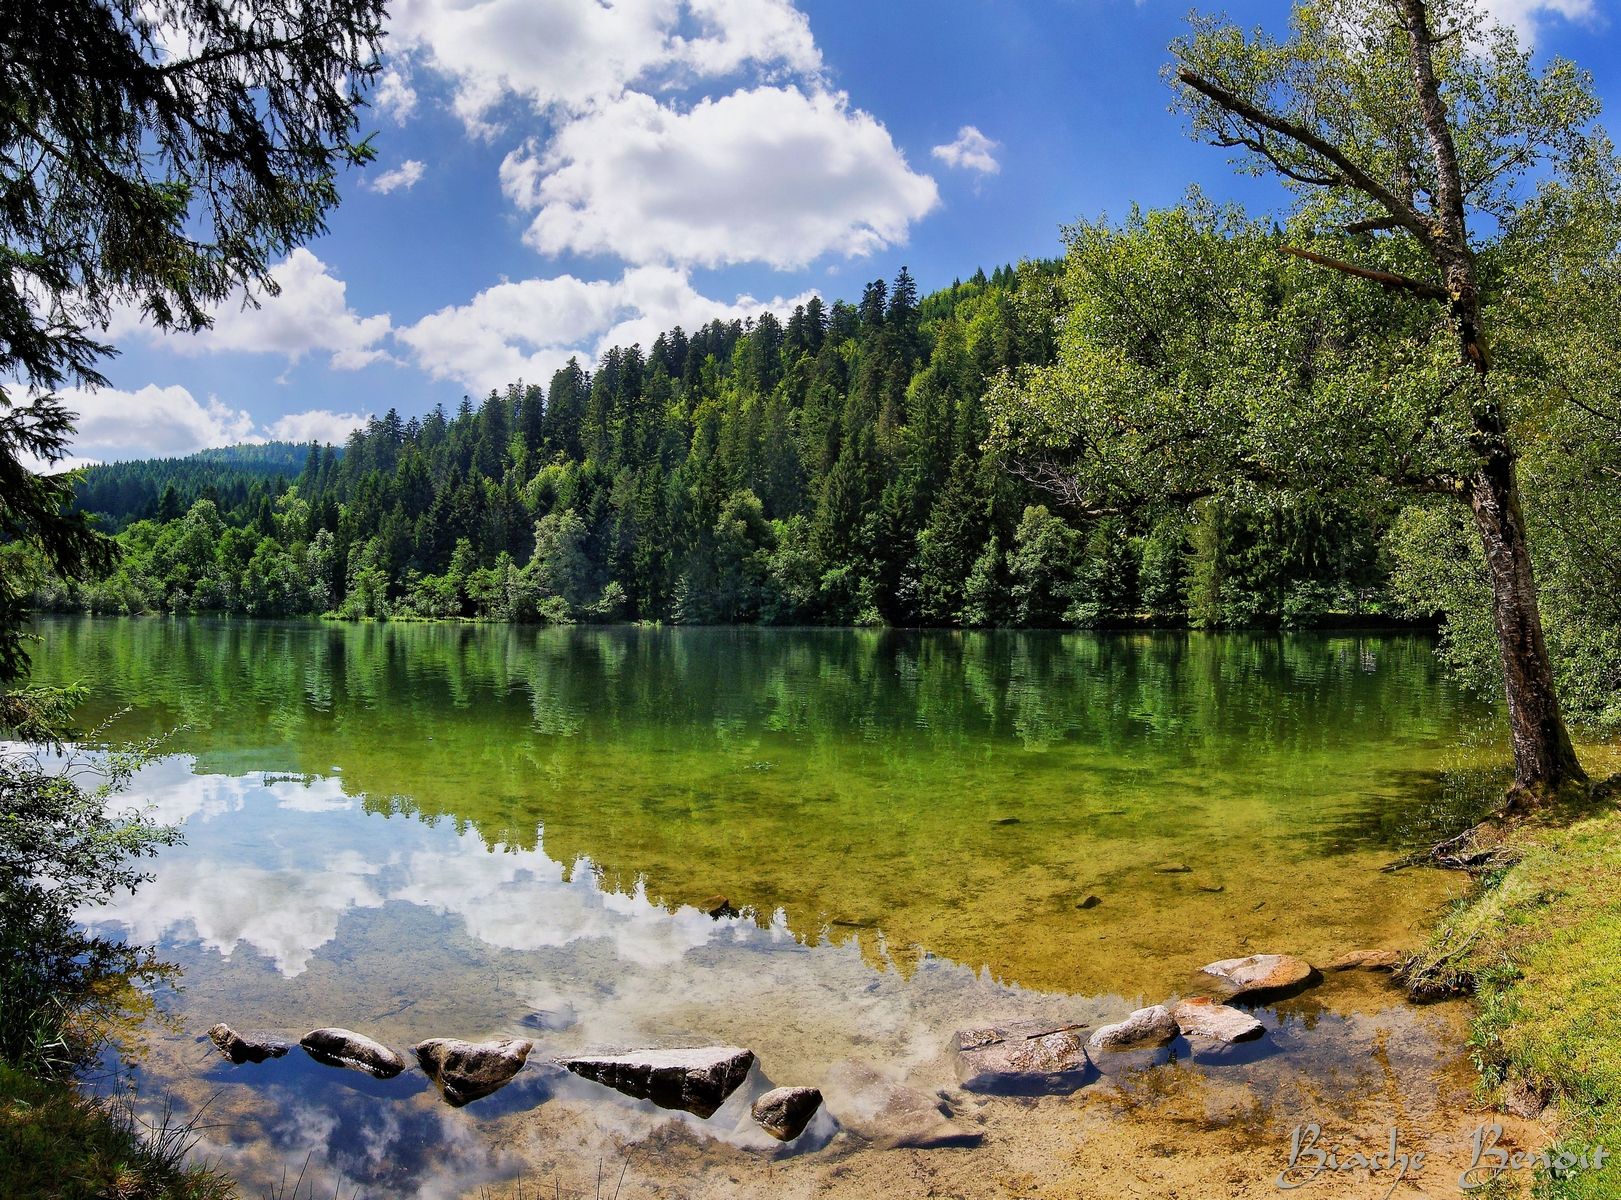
(423,831)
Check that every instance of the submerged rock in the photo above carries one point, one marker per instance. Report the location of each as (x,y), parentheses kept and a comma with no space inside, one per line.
(695,1080)
(243,1048)
(356,1051)
(1262,976)
(466,1071)
(888,1114)
(784,1112)
(1022,1056)
(1201,1017)
(1366,960)
(1151,1026)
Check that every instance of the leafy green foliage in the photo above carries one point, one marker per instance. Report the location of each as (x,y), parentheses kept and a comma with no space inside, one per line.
(65,845)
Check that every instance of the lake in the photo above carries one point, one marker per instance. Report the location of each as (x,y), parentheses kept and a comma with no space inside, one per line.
(468,831)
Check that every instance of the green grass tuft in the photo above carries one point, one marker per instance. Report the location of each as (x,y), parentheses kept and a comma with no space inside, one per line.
(59,1144)
(1540,946)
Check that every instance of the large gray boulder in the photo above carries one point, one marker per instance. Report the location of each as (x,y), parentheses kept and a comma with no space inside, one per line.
(784,1112)
(246,1047)
(1022,1056)
(467,1071)
(696,1080)
(888,1114)
(1203,1019)
(1261,977)
(1151,1026)
(356,1051)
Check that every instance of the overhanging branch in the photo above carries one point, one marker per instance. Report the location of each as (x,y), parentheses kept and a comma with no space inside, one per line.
(1387,279)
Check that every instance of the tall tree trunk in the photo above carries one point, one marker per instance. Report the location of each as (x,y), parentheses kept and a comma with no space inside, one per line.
(1544,759)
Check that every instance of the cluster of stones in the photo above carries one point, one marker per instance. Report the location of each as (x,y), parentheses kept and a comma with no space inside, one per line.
(1011,1058)
(694,1080)
(1025,1057)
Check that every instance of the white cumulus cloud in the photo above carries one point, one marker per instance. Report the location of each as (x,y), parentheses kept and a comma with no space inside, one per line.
(1526,17)
(169,422)
(404,176)
(529,328)
(309,314)
(154,422)
(572,54)
(395,98)
(971,150)
(770,174)
(316,425)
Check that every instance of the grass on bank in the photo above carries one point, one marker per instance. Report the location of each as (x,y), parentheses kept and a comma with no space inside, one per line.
(59,1144)
(1539,944)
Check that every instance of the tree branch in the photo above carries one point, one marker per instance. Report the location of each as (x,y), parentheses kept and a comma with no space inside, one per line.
(1374,225)
(1403,283)
(1401,213)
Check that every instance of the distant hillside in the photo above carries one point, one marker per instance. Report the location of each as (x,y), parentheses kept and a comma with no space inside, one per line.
(239,479)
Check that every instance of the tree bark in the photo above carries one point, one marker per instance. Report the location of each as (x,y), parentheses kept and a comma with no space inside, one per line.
(1544,759)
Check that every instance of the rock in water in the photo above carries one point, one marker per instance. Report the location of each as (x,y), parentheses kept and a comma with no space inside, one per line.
(1152,1026)
(1263,976)
(784,1112)
(242,1048)
(346,1048)
(888,1114)
(1366,960)
(1202,1017)
(467,1071)
(718,907)
(697,1080)
(1022,1056)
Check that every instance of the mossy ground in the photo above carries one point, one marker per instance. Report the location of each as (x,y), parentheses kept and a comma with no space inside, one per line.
(1540,946)
(59,1144)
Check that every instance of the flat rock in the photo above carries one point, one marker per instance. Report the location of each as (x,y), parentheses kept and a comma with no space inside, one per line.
(1366,960)
(696,1080)
(1022,1056)
(1173,868)
(888,1114)
(356,1051)
(784,1112)
(1151,1026)
(246,1047)
(1262,976)
(1202,1017)
(466,1071)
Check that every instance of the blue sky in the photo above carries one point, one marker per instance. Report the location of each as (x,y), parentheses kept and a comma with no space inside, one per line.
(556,176)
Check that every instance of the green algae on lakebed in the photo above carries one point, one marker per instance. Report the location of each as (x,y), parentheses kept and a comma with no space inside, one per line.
(471,830)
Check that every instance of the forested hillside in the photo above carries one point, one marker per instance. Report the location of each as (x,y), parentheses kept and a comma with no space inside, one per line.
(829,468)
(240,480)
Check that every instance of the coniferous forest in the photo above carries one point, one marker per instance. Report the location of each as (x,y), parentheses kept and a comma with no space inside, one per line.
(830,468)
